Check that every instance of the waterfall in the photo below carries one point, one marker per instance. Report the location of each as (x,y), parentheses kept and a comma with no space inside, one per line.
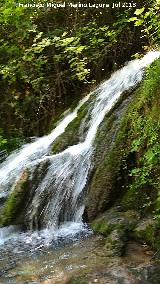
(59,197)
(28,155)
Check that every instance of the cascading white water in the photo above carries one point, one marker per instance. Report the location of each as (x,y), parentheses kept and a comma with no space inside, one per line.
(66,177)
(11,169)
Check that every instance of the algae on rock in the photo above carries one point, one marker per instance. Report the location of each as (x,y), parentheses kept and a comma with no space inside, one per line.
(15,201)
(76,130)
(116,226)
(127,161)
(14,209)
(107,178)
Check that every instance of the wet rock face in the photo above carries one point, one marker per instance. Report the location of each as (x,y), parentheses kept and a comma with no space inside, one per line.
(2,199)
(114,219)
(35,180)
(127,167)
(116,226)
(126,162)
(147,231)
(13,210)
(115,243)
(107,179)
(76,131)
(15,202)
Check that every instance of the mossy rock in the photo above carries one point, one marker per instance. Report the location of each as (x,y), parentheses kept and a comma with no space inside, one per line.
(127,153)
(15,201)
(108,177)
(57,119)
(64,109)
(35,180)
(76,130)
(145,231)
(115,220)
(148,231)
(116,227)
(140,200)
(39,173)
(115,243)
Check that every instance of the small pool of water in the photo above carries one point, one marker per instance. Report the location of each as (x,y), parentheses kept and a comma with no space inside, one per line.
(81,260)
(71,255)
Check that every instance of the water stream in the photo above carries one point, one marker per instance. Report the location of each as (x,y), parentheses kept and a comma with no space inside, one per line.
(57,205)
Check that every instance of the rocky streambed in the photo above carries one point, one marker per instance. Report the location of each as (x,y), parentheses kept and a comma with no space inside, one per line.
(83,261)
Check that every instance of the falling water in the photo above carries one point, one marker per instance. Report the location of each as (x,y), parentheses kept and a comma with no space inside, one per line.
(59,196)
(12,168)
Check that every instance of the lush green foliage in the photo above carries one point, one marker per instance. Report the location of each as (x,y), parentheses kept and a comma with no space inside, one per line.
(8,144)
(146,128)
(3,141)
(145,135)
(50,56)
(148,20)
(139,136)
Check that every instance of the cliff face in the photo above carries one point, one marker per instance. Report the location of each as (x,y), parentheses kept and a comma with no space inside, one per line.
(127,163)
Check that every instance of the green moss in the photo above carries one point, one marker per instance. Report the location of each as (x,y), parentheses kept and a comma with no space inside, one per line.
(145,231)
(56,119)
(130,199)
(107,177)
(116,226)
(128,166)
(144,133)
(115,243)
(138,199)
(113,219)
(72,134)
(127,154)
(101,227)
(65,109)
(14,203)
(148,232)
